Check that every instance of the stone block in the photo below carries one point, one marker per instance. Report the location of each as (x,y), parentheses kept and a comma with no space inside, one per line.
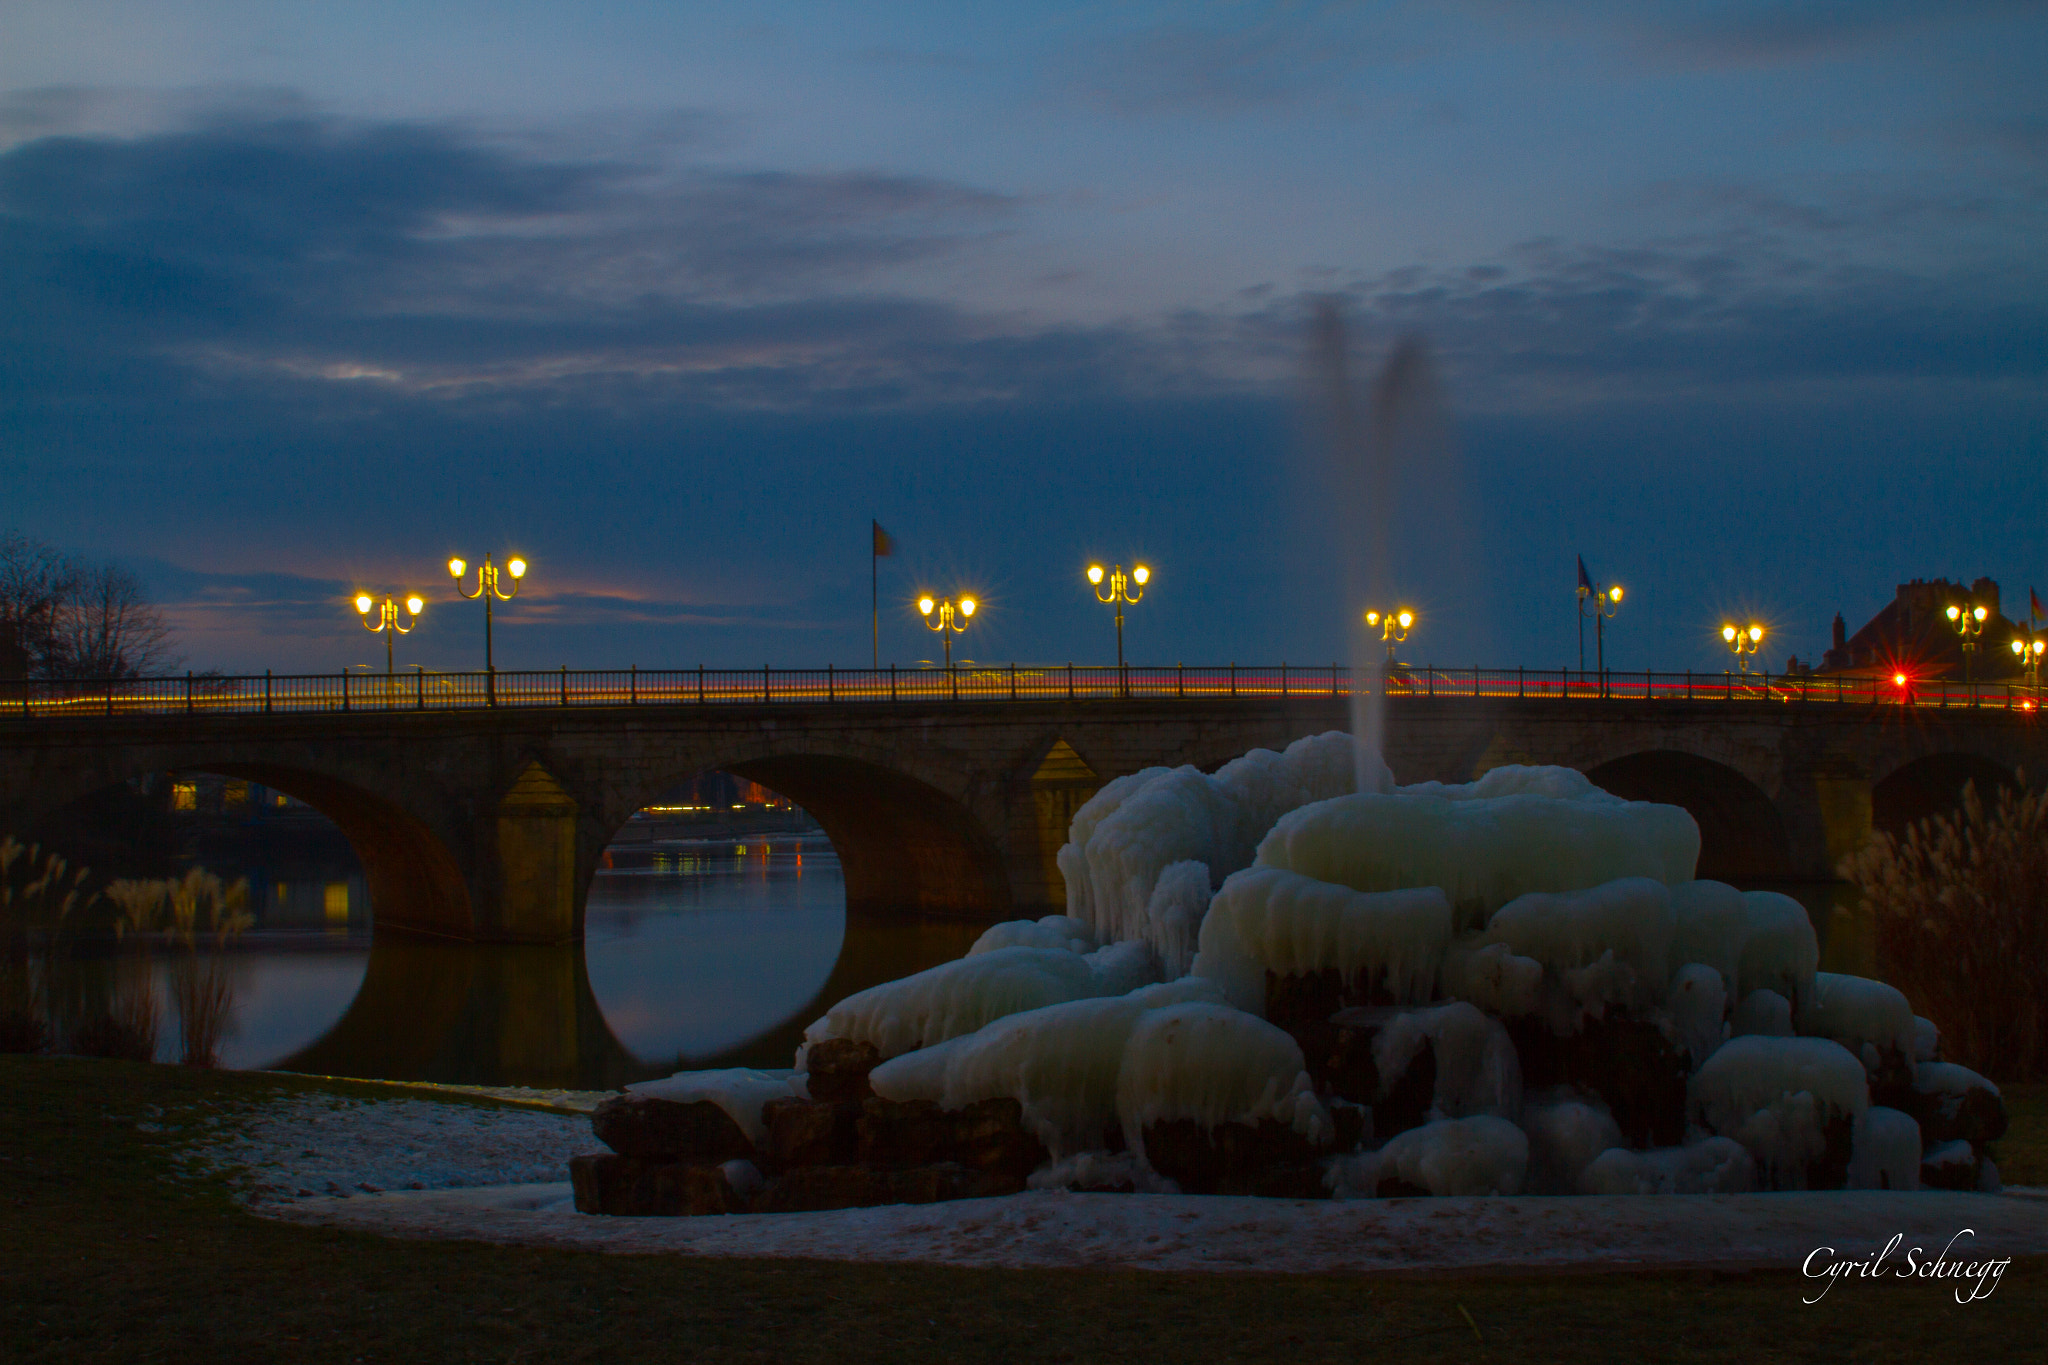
(809,1188)
(989,1136)
(837,1069)
(907,1133)
(640,1187)
(1231,1158)
(697,1132)
(811,1133)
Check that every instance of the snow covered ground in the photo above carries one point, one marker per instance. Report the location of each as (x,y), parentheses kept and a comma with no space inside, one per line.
(420,1168)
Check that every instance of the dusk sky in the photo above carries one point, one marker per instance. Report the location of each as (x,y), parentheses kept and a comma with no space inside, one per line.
(1744,302)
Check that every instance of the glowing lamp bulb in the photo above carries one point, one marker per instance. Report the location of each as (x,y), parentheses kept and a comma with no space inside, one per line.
(1406,618)
(1372,618)
(363,604)
(517,568)
(1094,573)
(1614,593)
(1954,612)
(1755,633)
(1980,613)
(1141,574)
(2040,645)
(967,606)
(2019,647)
(455,568)
(1728,634)
(414,605)
(1899,678)
(924,606)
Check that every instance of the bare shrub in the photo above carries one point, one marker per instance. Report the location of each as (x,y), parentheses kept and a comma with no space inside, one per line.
(39,894)
(204,918)
(1961,910)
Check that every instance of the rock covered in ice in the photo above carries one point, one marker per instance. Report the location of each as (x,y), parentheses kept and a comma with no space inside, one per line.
(1715,1165)
(1763,1013)
(1054,931)
(1780,950)
(1698,1002)
(1951,1166)
(1210,1064)
(1854,1010)
(1606,944)
(1269,920)
(1565,1135)
(1118,1172)
(1477,1155)
(1926,1040)
(1484,851)
(1491,976)
(958,997)
(1782,1098)
(1174,914)
(1885,1154)
(1711,923)
(1061,1063)
(739,1091)
(1477,1071)
(1125,837)
(1952,1101)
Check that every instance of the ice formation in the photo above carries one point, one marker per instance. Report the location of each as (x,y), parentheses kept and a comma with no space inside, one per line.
(1483,850)
(740,1092)
(1268,920)
(1886,1155)
(1063,1063)
(1423,951)
(958,997)
(1715,1165)
(1855,1011)
(1565,1135)
(1478,1155)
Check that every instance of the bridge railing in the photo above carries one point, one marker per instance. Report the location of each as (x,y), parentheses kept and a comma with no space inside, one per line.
(279,693)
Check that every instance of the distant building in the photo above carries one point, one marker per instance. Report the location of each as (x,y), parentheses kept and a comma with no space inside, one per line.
(1913,635)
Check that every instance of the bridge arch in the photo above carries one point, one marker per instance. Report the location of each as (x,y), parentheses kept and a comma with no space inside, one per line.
(905,845)
(1742,833)
(414,883)
(1932,785)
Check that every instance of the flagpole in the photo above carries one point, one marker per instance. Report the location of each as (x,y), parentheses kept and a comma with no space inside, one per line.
(875,588)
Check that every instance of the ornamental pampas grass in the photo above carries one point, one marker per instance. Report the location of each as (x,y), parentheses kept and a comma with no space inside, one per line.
(1961,911)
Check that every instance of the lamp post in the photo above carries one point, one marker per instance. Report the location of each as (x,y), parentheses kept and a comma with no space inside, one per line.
(1605,602)
(1119,594)
(487,588)
(1969,623)
(2029,652)
(1392,626)
(1742,640)
(947,618)
(386,619)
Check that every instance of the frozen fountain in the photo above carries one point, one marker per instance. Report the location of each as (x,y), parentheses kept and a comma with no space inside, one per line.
(1294,977)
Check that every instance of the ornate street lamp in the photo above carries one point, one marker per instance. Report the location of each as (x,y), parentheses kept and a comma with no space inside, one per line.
(1119,594)
(1743,640)
(947,618)
(1969,623)
(1604,602)
(386,619)
(1392,626)
(2029,652)
(487,588)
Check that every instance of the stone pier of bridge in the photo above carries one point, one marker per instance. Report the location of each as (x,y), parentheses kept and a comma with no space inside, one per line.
(487,825)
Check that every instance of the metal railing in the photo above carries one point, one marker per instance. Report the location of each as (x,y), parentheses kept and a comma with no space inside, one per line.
(301,693)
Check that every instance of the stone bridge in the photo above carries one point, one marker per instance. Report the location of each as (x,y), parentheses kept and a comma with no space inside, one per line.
(487,825)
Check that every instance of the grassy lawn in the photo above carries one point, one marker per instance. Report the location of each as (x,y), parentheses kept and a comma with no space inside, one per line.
(105,1257)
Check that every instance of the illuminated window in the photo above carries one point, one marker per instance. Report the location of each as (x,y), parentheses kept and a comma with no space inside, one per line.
(235,793)
(336,905)
(184,796)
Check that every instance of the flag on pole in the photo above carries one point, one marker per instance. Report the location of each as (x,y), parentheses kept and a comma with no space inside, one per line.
(885,544)
(2034,611)
(882,544)
(1585,579)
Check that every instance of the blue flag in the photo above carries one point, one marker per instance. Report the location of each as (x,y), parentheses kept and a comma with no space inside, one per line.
(1585,579)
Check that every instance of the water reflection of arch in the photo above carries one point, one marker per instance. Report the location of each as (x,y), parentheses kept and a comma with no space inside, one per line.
(1933,785)
(1742,832)
(905,845)
(473,1014)
(411,876)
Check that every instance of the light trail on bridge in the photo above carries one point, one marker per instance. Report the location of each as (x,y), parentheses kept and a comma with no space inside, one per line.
(301,693)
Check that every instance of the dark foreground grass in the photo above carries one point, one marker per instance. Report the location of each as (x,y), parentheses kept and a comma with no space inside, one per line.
(107,1257)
